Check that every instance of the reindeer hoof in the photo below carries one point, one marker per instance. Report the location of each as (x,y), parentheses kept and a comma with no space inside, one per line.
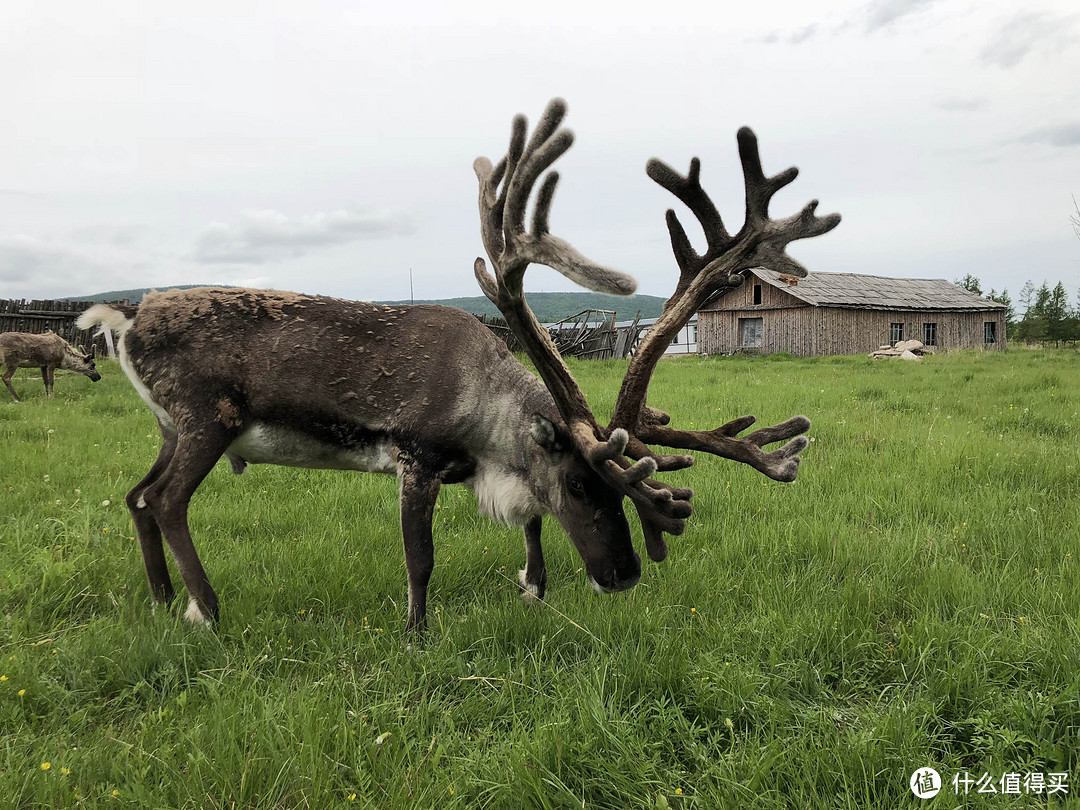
(529,592)
(195,615)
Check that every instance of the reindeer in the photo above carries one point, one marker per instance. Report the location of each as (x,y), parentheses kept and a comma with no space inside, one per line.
(47,352)
(428,394)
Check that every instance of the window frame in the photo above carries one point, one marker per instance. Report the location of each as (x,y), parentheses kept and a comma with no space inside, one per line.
(929,333)
(760,333)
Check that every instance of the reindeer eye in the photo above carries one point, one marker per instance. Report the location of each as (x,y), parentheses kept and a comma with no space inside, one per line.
(575,487)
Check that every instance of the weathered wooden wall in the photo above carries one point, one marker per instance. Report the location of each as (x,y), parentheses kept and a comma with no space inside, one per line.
(785,319)
(807,331)
(855,331)
(38,316)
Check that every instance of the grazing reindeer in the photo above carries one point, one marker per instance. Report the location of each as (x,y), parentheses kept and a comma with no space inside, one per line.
(430,395)
(47,352)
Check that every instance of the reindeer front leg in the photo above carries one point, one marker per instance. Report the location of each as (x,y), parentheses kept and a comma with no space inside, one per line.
(9,372)
(419,491)
(533,580)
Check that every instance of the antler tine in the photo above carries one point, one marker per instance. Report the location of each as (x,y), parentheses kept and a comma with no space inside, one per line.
(688,189)
(543,204)
(491,210)
(547,144)
(513,154)
(759,188)
(778,233)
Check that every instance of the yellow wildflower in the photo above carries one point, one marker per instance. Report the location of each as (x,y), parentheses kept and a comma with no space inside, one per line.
(46,765)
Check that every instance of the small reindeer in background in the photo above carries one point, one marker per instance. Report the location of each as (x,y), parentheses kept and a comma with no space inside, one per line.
(47,352)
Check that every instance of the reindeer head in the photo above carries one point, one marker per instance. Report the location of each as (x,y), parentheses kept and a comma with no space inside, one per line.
(75,360)
(587,508)
(606,464)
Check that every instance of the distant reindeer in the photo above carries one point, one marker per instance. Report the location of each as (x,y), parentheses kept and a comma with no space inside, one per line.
(47,352)
(428,394)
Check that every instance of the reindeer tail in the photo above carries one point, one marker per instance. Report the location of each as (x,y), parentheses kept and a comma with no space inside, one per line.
(116,317)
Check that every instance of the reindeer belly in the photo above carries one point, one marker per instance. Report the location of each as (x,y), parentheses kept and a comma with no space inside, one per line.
(269,443)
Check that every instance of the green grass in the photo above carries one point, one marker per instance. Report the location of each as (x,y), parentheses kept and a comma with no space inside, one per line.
(911,600)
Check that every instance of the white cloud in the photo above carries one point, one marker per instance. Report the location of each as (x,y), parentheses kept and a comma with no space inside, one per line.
(255,282)
(33,267)
(269,235)
(963,104)
(22,257)
(884,13)
(1026,31)
(1062,135)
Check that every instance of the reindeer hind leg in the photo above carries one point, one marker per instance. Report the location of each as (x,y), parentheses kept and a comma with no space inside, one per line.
(147,528)
(197,451)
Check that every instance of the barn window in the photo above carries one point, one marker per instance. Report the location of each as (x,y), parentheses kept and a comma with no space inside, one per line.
(751,332)
(757,293)
(929,334)
(989,332)
(896,332)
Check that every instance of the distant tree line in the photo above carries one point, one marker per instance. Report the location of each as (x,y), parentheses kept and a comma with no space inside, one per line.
(1047,313)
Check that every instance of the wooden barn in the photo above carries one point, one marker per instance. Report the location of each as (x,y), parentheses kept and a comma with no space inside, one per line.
(846,313)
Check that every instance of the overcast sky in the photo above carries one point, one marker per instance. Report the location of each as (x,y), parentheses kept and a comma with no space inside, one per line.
(327,147)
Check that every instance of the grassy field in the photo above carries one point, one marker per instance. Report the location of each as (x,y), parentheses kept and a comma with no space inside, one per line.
(912,600)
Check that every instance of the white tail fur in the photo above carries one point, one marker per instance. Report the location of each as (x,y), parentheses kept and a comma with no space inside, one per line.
(106,316)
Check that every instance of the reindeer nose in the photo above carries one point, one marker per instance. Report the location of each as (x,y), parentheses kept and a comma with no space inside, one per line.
(613,580)
(614,585)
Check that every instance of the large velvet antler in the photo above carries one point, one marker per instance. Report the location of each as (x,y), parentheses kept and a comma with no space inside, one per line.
(761,242)
(512,249)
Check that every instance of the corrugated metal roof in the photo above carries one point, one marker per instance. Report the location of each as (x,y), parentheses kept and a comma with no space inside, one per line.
(877,292)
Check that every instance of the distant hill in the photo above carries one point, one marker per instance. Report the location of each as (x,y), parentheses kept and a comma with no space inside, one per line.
(549,307)
(554,306)
(133,296)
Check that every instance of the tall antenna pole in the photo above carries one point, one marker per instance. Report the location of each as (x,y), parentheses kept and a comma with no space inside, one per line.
(411,299)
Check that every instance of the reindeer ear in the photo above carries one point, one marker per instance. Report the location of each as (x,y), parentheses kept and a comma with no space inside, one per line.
(93,351)
(546,434)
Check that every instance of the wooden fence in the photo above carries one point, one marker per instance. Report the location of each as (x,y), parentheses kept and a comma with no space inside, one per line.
(586,336)
(38,316)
